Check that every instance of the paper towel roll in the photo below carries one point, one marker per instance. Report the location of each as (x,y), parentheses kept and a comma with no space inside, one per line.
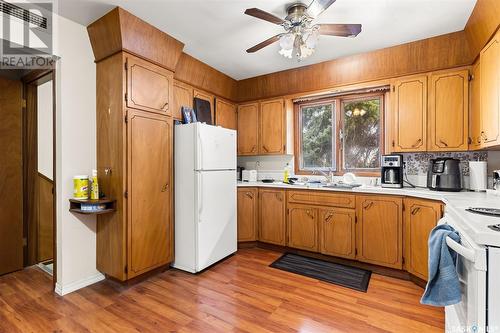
(478,175)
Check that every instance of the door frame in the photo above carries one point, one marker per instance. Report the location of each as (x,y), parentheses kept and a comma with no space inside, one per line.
(30,140)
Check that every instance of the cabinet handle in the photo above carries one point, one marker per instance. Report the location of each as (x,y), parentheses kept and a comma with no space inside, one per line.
(253,149)
(368,206)
(309,214)
(265,148)
(414,211)
(278,196)
(164,105)
(329,217)
(483,136)
(444,143)
(250,195)
(478,139)
(165,188)
(416,143)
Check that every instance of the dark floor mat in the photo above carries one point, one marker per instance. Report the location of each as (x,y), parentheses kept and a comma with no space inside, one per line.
(346,276)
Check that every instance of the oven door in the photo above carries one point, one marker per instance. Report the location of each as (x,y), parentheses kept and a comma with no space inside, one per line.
(470,314)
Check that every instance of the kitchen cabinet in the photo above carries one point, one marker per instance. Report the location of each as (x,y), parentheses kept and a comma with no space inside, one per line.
(272,127)
(182,96)
(134,164)
(475,110)
(272,213)
(150,228)
(226,114)
(379,230)
(448,111)
(149,87)
(490,93)
(420,217)
(200,94)
(248,129)
(337,232)
(302,227)
(410,114)
(247,214)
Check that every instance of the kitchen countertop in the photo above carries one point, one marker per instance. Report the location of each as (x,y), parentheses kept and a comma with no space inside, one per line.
(475,225)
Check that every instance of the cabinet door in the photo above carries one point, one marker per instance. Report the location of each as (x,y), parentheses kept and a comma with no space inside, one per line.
(149,87)
(449,111)
(379,230)
(303,227)
(410,114)
(207,97)
(272,216)
(149,139)
(475,111)
(420,217)
(272,127)
(247,214)
(490,91)
(226,114)
(183,96)
(338,232)
(248,129)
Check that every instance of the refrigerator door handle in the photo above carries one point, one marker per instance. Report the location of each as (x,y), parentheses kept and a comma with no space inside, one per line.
(199,196)
(199,146)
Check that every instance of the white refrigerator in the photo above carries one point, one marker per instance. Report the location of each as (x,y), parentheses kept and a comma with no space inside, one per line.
(205,195)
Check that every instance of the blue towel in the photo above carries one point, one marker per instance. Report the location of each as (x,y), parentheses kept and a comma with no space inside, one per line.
(443,287)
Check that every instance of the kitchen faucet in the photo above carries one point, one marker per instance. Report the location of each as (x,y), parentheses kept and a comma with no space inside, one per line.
(328,176)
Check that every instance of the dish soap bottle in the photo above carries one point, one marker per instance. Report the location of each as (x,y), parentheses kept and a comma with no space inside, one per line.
(94,189)
(286,173)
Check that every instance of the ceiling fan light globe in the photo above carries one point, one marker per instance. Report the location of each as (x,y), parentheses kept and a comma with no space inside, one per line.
(286,41)
(286,53)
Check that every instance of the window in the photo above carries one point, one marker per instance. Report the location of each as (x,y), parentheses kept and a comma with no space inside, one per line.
(341,134)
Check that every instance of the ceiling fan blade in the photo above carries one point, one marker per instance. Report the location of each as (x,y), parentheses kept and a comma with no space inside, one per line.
(264,43)
(318,6)
(258,13)
(341,30)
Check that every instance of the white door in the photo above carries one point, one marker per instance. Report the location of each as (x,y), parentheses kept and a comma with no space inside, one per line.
(216,216)
(216,148)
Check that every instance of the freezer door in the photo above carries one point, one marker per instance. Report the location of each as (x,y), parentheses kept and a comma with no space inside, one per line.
(215,148)
(216,218)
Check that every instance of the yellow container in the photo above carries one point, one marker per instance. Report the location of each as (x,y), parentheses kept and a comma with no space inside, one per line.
(81,187)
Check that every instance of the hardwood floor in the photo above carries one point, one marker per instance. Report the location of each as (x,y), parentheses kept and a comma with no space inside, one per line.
(241,294)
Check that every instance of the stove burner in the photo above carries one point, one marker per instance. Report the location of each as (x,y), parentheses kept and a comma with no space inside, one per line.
(494,227)
(485,211)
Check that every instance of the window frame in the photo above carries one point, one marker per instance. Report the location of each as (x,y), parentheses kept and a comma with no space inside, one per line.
(339,122)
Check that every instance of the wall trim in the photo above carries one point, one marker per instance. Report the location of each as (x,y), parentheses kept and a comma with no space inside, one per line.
(79,284)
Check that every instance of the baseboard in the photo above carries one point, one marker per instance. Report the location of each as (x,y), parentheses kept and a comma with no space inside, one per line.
(64,290)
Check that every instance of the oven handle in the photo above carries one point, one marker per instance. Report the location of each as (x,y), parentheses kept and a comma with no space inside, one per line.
(468,254)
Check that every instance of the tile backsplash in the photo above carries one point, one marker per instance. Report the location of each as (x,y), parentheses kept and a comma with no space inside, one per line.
(418,163)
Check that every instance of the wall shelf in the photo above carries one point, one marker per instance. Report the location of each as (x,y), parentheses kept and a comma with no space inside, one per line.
(78,206)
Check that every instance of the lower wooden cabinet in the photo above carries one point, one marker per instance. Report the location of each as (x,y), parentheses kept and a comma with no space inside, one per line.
(272,212)
(303,227)
(419,219)
(337,232)
(379,230)
(247,214)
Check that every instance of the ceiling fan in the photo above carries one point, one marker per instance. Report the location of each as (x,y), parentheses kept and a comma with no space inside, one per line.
(301,35)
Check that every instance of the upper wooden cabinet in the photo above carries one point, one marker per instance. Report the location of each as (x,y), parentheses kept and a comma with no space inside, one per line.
(490,93)
(272,211)
(182,96)
(247,214)
(248,129)
(272,127)
(410,114)
(207,97)
(379,230)
(337,232)
(226,114)
(448,111)
(150,229)
(475,110)
(149,87)
(302,227)
(420,217)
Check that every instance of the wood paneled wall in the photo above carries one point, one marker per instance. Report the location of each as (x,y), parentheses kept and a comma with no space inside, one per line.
(11,182)
(198,74)
(482,24)
(446,51)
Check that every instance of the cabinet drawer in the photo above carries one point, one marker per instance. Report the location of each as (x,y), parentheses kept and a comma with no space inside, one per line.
(322,198)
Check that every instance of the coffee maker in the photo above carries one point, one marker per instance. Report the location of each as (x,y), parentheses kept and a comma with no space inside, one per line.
(392,171)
